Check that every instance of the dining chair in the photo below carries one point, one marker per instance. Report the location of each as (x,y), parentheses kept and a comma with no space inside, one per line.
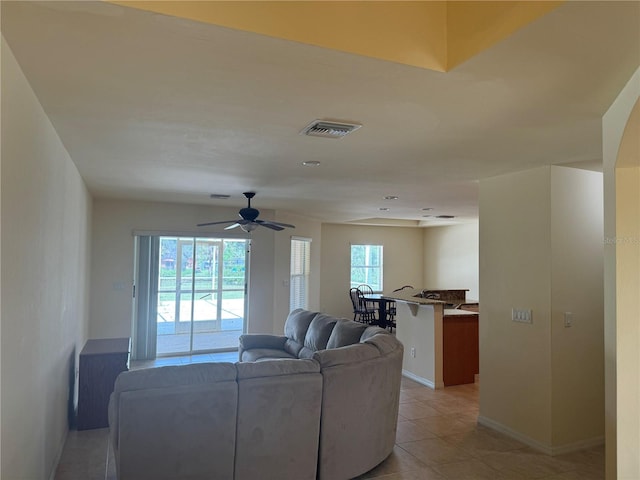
(367,290)
(360,311)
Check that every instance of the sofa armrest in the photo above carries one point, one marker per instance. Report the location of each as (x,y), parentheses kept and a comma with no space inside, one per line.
(250,341)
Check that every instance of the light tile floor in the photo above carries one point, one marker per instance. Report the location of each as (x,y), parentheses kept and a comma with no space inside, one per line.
(438,438)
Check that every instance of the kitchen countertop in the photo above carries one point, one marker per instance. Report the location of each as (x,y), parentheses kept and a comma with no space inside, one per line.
(452,312)
(408,296)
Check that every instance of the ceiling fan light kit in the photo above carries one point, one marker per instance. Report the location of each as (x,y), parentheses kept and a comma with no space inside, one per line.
(249,219)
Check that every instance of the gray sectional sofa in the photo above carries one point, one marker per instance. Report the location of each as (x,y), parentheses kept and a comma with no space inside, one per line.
(320,402)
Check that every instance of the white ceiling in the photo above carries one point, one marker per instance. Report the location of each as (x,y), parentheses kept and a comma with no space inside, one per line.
(158,108)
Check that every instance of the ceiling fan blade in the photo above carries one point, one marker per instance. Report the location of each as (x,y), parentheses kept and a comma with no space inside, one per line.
(288,225)
(249,216)
(267,223)
(215,223)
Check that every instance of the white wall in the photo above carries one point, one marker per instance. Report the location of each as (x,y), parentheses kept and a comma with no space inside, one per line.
(541,249)
(402,262)
(45,262)
(577,286)
(515,271)
(622,338)
(451,258)
(113,225)
(421,330)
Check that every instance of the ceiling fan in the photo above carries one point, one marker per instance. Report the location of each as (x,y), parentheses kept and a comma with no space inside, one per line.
(249,219)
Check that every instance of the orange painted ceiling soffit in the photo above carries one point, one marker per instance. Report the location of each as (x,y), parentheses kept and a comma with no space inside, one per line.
(437,35)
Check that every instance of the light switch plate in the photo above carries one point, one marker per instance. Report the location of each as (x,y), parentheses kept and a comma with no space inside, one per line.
(522,316)
(568,319)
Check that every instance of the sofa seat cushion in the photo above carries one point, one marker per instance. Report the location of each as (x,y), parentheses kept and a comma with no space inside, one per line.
(346,333)
(257,354)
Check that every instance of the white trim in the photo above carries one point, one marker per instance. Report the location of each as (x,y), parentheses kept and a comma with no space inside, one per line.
(421,380)
(52,475)
(541,447)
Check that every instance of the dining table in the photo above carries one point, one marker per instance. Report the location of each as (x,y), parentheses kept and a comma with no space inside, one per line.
(381,306)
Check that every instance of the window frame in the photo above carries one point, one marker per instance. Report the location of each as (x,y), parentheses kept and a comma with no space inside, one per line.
(299,273)
(377,287)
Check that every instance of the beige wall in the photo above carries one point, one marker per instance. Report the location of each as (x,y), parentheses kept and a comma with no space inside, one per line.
(420,328)
(451,258)
(403,261)
(45,260)
(577,286)
(620,140)
(515,272)
(113,259)
(541,249)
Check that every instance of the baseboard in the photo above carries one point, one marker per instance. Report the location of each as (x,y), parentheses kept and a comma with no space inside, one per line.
(541,447)
(52,475)
(576,446)
(421,380)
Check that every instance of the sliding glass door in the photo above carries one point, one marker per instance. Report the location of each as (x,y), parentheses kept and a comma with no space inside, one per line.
(195,294)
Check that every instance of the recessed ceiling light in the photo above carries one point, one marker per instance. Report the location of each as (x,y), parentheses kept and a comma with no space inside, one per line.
(219,196)
(391,197)
(428,209)
(384,209)
(311,163)
(446,216)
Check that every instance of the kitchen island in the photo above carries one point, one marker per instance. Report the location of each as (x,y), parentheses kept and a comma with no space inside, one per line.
(440,344)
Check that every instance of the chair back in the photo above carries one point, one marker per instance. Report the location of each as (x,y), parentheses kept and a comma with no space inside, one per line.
(355,299)
(365,289)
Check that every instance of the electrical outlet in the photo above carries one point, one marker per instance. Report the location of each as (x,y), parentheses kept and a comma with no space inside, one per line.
(413,352)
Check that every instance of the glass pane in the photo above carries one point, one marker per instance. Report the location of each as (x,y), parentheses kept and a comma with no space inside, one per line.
(199,300)
(233,269)
(366,266)
(184,311)
(232,311)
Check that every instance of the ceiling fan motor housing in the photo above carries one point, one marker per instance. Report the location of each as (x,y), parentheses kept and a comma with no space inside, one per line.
(249,213)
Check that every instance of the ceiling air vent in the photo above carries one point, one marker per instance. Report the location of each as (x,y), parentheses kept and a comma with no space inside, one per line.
(327,129)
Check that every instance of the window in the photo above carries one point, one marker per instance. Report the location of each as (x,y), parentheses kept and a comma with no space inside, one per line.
(299,276)
(366,266)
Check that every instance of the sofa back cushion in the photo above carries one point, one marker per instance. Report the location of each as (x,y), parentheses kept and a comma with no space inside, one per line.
(384,343)
(278,427)
(347,355)
(346,332)
(163,414)
(295,329)
(317,335)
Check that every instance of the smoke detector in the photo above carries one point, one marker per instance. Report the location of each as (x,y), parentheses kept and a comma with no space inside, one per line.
(329,129)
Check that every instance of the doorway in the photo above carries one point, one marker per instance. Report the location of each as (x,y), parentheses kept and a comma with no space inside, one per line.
(192,294)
